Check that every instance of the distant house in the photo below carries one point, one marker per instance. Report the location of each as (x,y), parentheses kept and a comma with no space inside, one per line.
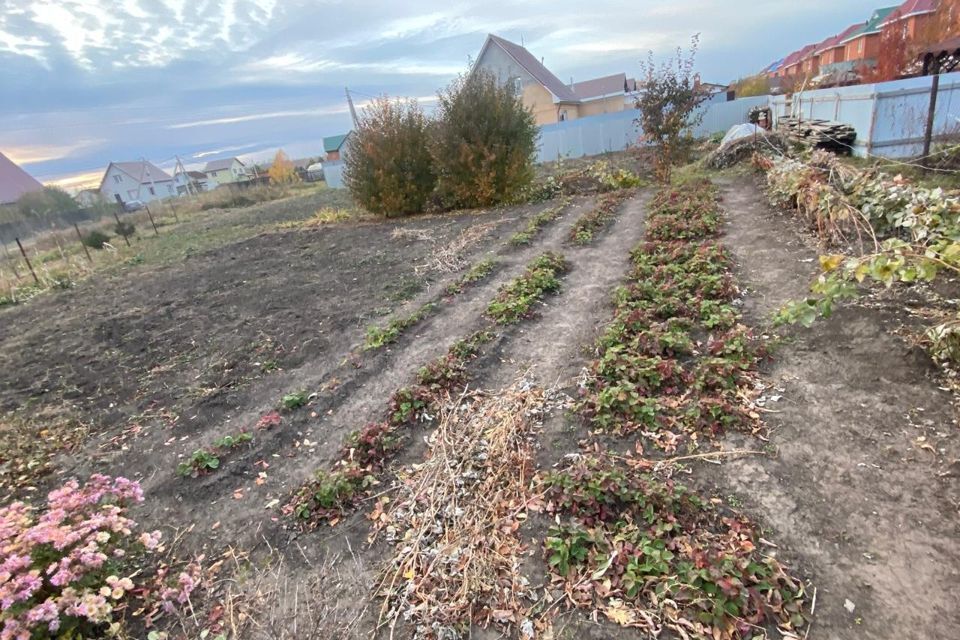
(862,46)
(87,198)
(14,181)
(544,94)
(127,181)
(911,16)
(334,146)
(225,171)
(190,182)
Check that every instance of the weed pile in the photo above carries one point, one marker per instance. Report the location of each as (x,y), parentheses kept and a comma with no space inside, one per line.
(599,217)
(455,521)
(675,363)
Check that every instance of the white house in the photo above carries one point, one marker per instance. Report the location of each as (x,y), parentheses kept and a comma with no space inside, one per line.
(191,182)
(88,198)
(225,171)
(142,180)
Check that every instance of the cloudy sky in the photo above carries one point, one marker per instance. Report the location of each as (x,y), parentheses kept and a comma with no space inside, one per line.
(84,82)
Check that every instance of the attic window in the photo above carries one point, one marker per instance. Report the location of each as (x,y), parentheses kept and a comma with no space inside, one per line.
(118,179)
(518,85)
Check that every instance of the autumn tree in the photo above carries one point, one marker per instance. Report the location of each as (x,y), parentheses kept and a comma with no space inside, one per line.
(669,108)
(282,170)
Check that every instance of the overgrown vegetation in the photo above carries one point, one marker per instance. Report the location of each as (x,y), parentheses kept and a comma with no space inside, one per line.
(670,108)
(484,142)
(96,239)
(599,217)
(389,170)
(515,300)
(48,201)
(892,231)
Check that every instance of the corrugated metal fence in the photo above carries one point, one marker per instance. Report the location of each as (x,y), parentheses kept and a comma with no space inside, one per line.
(889,117)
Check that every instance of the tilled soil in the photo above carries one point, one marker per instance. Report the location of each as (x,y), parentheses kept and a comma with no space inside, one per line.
(864,492)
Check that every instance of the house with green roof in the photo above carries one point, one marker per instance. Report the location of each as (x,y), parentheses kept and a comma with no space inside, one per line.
(862,46)
(333,146)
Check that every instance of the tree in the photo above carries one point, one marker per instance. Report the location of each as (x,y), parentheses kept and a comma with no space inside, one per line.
(485,142)
(758,85)
(282,170)
(894,55)
(388,165)
(669,108)
(48,201)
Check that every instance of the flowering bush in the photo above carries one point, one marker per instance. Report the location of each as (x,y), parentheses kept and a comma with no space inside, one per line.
(61,571)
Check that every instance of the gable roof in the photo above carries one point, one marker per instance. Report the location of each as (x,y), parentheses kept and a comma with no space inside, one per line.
(333,143)
(910,8)
(871,26)
(14,181)
(773,66)
(600,87)
(141,171)
(534,67)
(222,163)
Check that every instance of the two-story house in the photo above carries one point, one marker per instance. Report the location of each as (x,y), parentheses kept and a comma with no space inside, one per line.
(225,171)
(544,94)
(141,180)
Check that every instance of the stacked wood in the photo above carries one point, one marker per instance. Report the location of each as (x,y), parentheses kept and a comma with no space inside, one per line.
(820,134)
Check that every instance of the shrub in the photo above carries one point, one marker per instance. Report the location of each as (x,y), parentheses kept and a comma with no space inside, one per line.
(50,200)
(388,165)
(61,569)
(484,143)
(96,239)
(282,170)
(125,229)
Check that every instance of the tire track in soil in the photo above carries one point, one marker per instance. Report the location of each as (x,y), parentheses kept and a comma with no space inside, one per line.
(867,514)
(360,399)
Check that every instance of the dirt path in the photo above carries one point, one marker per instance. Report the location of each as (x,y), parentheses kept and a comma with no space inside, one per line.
(862,493)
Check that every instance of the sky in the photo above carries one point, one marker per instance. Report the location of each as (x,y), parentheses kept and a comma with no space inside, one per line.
(86,82)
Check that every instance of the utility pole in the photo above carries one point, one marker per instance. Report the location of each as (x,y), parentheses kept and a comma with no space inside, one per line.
(353,111)
(180,169)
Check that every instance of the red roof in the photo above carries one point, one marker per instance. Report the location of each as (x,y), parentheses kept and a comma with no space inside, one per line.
(837,40)
(911,8)
(14,181)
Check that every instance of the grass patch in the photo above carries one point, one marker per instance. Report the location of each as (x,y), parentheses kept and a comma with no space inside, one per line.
(515,301)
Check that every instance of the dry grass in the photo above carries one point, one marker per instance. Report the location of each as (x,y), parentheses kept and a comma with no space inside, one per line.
(451,257)
(455,520)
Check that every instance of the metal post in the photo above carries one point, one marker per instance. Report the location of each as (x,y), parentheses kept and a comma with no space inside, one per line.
(27,260)
(931,113)
(13,263)
(86,250)
(117,218)
(150,215)
(173,210)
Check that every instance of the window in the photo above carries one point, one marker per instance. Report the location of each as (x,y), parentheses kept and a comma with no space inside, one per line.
(152,192)
(563,115)
(118,179)
(517,85)
(860,47)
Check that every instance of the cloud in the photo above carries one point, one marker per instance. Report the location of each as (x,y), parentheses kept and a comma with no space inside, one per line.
(25,155)
(217,152)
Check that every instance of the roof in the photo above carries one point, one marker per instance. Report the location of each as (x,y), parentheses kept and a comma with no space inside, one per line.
(222,163)
(871,26)
(773,66)
(910,8)
(197,175)
(534,67)
(600,87)
(14,181)
(333,143)
(839,39)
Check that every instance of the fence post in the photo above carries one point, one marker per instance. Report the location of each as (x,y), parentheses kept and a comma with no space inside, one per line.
(173,210)
(13,263)
(27,260)
(80,238)
(117,218)
(150,215)
(931,113)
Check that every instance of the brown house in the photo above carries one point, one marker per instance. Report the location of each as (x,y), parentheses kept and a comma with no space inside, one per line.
(862,46)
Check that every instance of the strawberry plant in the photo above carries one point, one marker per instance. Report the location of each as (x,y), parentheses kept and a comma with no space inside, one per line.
(380,336)
(515,301)
(537,223)
(477,273)
(292,401)
(599,217)
(204,461)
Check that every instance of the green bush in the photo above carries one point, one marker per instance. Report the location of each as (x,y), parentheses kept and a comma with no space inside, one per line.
(51,200)
(125,229)
(484,143)
(96,239)
(388,165)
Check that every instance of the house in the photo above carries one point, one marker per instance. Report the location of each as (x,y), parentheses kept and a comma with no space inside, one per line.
(862,45)
(225,171)
(833,51)
(912,17)
(335,146)
(14,181)
(190,182)
(543,93)
(87,198)
(793,65)
(139,180)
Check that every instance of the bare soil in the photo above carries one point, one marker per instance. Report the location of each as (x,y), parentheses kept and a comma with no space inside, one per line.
(861,496)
